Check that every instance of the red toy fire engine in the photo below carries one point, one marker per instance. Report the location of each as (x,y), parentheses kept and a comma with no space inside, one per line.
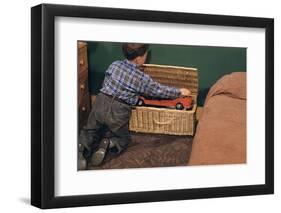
(178,103)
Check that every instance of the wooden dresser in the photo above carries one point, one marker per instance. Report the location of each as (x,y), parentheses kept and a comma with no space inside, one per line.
(84,104)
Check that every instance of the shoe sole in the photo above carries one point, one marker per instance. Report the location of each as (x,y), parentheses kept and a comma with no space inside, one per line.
(98,157)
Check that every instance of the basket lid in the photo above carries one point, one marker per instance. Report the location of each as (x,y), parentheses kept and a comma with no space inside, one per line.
(175,76)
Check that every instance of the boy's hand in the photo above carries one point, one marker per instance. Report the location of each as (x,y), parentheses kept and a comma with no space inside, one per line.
(185,92)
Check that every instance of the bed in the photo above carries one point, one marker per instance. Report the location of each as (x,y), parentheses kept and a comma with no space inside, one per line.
(221,132)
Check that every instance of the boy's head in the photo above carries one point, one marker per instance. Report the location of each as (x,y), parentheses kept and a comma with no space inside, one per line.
(135,53)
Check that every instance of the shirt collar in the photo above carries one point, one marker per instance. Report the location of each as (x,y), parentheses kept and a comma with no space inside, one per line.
(130,63)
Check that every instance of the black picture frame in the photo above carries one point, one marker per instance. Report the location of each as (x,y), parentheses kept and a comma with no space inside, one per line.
(43,102)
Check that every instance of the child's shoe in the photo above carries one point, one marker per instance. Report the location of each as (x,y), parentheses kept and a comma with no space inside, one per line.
(99,155)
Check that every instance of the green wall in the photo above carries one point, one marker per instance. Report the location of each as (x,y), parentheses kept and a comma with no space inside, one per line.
(212,62)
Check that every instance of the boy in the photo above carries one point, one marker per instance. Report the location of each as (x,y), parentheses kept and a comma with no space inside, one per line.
(110,115)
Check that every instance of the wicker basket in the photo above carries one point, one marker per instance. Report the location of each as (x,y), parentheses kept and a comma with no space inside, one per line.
(162,120)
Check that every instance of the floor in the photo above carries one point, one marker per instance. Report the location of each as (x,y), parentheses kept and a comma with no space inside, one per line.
(151,150)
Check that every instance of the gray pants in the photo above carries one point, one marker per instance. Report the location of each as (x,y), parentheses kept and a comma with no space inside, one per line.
(108,118)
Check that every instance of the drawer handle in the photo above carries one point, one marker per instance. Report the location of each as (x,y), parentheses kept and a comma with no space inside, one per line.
(82,87)
(164,122)
(81,62)
(83,109)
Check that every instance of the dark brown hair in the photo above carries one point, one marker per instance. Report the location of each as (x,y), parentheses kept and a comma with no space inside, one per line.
(133,50)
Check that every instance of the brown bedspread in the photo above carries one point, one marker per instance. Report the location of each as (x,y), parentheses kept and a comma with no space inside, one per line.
(151,150)
(221,133)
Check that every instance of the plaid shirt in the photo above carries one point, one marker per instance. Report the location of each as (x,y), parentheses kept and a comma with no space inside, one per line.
(125,81)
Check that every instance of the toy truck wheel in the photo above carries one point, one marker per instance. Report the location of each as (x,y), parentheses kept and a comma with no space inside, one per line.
(140,102)
(179,106)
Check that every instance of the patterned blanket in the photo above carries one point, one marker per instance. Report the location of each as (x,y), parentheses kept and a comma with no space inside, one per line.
(151,150)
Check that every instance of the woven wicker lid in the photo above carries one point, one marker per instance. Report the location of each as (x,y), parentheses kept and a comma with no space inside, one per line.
(180,77)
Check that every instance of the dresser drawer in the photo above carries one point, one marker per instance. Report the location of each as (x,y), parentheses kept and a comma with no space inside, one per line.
(83,76)
(84,110)
(83,89)
(83,59)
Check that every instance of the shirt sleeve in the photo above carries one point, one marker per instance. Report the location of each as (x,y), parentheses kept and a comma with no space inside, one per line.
(154,89)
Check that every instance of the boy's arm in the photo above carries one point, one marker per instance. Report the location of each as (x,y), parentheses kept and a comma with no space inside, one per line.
(157,90)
